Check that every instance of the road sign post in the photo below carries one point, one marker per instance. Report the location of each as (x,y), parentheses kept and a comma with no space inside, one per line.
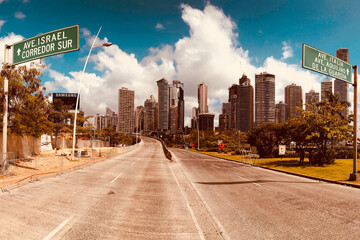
(321,62)
(43,45)
(47,44)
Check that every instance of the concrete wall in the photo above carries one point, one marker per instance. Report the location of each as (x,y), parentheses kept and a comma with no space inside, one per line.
(21,147)
(67,143)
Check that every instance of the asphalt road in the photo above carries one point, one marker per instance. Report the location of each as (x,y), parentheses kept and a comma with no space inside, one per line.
(142,195)
(253,203)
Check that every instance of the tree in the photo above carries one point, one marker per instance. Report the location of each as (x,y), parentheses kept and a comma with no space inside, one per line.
(59,116)
(296,130)
(28,105)
(326,126)
(265,138)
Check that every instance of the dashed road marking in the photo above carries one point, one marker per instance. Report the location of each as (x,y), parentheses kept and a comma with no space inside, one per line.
(214,165)
(57,229)
(250,181)
(116,178)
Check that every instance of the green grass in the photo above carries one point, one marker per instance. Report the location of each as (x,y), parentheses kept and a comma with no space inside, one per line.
(340,171)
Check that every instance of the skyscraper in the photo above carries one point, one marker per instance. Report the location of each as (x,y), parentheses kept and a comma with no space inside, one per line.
(233,105)
(126,110)
(176,107)
(340,87)
(163,98)
(206,121)
(264,98)
(326,87)
(245,105)
(202,98)
(139,119)
(150,114)
(293,99)
(224,117)
(312,97)
(280,112)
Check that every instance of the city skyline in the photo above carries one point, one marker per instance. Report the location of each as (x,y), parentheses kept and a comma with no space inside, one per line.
(178,45)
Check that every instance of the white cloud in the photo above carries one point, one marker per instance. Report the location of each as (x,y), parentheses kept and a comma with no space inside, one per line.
(1,1)
(159,26)
(19,15)
(211,53)
(287,51)
(10,39)
(2,22)
(86,33)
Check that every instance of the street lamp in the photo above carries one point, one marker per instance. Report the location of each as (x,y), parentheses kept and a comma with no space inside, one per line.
(77,98)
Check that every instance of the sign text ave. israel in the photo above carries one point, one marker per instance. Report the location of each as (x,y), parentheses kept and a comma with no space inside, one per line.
(319,61)
(47,44)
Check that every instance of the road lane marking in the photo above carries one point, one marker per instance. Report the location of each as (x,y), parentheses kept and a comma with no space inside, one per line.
(214,165)
(250,181)
(201,233)
(221,228)
(116,178)
(133,164)
(57,229)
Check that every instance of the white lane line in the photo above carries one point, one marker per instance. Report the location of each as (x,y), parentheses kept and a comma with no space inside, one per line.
(214,165)
(133,164)
(250,181)
(116,178)
(57,229)
(201,233)
(221,228)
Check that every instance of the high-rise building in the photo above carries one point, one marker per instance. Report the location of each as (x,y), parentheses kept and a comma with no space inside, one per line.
(245,105)
(176,107)
(206,121)
(341,87)
(233,90)
(163,98)
(107,120)
(293,99)
(126,110)
(139,119)
(312,97)
(326,87)
(264,98)
(202,98)
(151,108)
(280,112)
(224,117)
(194,117)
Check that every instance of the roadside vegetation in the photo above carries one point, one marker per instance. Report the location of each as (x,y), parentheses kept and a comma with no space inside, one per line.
(32,113)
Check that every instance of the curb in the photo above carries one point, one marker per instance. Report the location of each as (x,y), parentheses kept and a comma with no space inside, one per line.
(290,173)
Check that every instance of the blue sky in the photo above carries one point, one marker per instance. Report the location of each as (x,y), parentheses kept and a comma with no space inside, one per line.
(212,41)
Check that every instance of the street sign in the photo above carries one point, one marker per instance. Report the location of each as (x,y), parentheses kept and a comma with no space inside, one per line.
(47,44)
(282,149)
(321,62)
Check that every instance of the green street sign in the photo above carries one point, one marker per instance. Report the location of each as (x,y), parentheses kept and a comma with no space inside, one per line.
(47,44)
(321,62)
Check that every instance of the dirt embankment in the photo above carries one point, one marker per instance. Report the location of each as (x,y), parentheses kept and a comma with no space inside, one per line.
(53,162)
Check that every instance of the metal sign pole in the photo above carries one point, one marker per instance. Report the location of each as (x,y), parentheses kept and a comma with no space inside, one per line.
(355,176)
(5,115)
